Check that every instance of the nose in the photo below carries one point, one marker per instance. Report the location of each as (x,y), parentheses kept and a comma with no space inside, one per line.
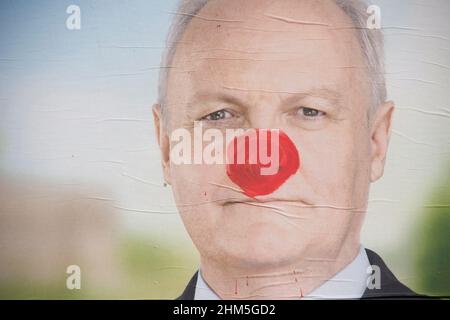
(251,176)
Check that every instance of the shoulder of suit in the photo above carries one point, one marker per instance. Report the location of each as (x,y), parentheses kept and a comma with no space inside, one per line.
(390,286)
(189,291)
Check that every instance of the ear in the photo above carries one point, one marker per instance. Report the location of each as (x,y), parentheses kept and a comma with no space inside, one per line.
(163,141)
(380,136)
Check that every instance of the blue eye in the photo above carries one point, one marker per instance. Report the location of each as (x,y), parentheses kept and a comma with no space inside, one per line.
(218,115)
(310,113)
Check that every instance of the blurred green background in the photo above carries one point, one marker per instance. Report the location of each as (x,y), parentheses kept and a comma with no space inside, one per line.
(432,254)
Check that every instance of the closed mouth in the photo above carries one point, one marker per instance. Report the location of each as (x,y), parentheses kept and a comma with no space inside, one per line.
(269,202)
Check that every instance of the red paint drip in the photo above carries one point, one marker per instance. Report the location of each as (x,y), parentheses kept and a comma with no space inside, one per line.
(248,176)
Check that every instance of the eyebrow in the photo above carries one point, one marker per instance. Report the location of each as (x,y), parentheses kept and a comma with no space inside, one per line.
(322,92)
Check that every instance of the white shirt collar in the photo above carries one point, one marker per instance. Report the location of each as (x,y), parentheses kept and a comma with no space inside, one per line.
(349,283)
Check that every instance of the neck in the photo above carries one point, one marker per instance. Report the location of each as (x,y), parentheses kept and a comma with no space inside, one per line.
(289,281)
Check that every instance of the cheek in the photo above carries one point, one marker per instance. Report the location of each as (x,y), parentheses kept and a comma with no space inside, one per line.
(325,170)
(196,183)
(331,161)
(194,190)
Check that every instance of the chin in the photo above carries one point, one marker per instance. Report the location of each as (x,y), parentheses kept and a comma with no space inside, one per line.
(261,247)
(260,258)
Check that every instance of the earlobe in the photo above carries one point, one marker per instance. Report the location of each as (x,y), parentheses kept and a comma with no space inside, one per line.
(156,110)
(163,141)
(380,136)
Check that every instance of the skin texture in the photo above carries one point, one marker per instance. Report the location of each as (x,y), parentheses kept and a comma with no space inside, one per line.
(264,62)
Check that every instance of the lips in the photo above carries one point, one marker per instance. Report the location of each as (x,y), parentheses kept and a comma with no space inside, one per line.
(249,176)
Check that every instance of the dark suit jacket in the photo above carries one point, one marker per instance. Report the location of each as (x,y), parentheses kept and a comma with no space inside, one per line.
(391,288)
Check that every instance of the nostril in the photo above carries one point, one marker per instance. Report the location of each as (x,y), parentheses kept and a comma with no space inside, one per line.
(253,153)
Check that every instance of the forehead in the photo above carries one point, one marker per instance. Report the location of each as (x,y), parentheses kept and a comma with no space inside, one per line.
(271,48)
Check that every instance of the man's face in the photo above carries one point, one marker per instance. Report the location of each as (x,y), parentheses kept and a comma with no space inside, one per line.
(290,65)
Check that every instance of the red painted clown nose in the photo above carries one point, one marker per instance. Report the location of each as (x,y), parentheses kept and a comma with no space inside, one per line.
(251,161)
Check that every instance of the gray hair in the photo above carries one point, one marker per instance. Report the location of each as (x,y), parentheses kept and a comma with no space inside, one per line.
(370,40)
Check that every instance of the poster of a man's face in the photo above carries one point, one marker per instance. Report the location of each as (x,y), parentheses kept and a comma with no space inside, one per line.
(301,67)
(226,150)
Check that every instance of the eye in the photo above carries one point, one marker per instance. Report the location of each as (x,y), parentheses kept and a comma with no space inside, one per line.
(310,113)
(218,115)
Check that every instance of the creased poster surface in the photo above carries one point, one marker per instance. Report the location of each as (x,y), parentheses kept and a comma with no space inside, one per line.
(288,149)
